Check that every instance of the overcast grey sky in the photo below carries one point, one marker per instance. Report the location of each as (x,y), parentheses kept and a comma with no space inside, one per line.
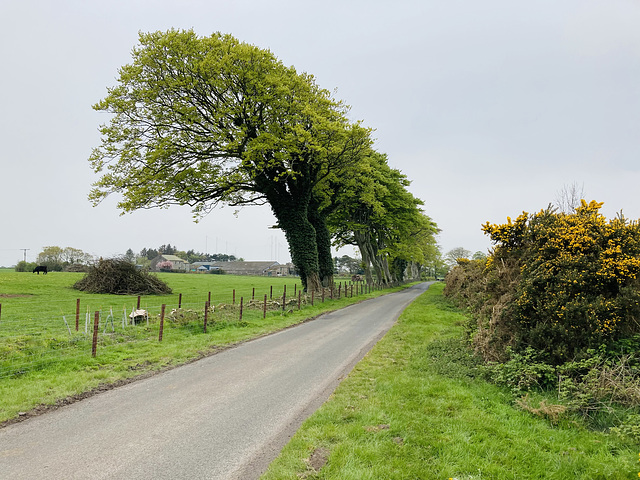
(489,108)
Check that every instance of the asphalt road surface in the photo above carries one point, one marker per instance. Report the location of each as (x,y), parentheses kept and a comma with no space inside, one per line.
(223,417)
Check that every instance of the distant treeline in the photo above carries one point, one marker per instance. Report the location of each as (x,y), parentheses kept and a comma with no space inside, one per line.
(190,256)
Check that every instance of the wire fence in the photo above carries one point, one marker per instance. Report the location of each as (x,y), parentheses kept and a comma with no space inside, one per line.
(74,337)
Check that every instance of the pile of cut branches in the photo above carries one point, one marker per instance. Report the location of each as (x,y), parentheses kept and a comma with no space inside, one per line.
(120,277)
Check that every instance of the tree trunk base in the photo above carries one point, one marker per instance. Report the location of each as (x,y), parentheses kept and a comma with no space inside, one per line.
(313,282)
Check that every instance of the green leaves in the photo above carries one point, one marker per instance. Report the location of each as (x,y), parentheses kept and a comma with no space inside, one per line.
(372,208)
(202,121)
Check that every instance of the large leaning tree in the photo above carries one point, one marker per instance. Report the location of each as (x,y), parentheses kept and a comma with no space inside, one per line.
(203,121)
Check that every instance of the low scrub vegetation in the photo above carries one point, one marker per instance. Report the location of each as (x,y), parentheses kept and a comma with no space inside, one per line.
(556,307)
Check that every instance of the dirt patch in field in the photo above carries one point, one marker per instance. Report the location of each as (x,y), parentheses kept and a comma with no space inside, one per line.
(14,295)
(318,458)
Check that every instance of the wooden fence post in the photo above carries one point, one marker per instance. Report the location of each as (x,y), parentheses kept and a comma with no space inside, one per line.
(0,311)
(179,301)
(322,294)
(209,298)
(253,294)
(241,302)
(161,322)
(312,292)
(206,315)
(284,297)
(299,298)
(138,305)
(271,293)
(264,307)
(234,296)
(77,314)
(94,345)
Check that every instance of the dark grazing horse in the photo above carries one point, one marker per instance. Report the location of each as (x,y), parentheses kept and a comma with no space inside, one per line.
(40,268)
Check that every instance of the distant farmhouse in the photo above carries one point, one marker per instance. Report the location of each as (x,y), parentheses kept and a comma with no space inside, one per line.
(269,269)
(177,263)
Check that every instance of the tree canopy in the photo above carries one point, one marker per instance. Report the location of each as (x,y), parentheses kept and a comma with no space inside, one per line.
(202,121)
(372,209)
(58,258)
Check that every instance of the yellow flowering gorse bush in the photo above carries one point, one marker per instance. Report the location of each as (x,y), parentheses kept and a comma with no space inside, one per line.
(573,282)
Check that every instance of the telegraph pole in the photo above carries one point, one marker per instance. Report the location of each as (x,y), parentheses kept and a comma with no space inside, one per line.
(25,253)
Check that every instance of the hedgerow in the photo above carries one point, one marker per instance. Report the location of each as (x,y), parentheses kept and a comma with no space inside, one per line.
(557,282)
(556,305)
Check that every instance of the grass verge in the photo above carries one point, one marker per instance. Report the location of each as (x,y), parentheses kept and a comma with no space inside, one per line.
(416,408)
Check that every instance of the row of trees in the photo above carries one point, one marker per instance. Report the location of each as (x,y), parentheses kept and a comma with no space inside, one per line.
(453,256)
(208,121)
(57,259)
(190,256)
(347,264)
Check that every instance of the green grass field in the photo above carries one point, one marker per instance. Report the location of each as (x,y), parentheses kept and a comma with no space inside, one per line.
(44,360)
(416,408)
(28,296)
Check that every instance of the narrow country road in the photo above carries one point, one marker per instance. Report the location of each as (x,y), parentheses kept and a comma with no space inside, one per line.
(223,417)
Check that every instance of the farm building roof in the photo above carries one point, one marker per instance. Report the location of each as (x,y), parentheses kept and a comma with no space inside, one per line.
(245,268)
(173,258)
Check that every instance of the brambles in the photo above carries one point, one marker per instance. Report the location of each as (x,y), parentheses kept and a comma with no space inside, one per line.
(120,277)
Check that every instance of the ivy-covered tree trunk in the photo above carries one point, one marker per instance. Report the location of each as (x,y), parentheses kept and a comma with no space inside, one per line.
(323,242)
(301,236)
(385,268)
(304,252)
(399,269)
(383,261)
